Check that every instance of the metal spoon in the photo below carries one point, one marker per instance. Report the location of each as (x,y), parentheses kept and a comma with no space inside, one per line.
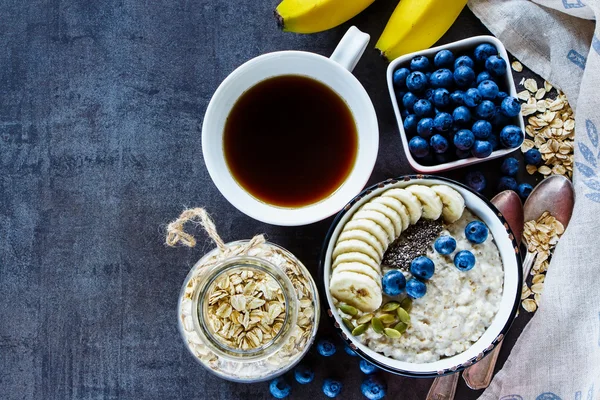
(555,194)
(509,204)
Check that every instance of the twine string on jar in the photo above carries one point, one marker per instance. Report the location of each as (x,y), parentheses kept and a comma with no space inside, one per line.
(177,235)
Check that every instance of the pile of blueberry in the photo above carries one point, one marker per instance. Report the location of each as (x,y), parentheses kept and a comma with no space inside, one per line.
(373,388)
(422,268)
(457,108)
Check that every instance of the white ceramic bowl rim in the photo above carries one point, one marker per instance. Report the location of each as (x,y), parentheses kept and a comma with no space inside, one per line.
(457,46)
(315,66)
(511,294)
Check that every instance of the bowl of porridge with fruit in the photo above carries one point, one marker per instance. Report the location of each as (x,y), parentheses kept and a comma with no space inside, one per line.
(421,275)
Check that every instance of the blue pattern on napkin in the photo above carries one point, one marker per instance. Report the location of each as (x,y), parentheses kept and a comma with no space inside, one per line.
(575,4)
(577,58)
(596,44)
(592,161)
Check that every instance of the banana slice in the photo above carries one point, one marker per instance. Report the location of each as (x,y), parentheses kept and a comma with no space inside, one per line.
(369,226)
(365,237)
(359,268)
(380,219)
(388,212)
(431,203)
(454,203)
(396,206)
(409,200)
(356,257)
(358,290)
(352,245)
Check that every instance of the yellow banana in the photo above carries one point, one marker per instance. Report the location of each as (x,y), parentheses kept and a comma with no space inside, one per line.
(309,16)
(416,25)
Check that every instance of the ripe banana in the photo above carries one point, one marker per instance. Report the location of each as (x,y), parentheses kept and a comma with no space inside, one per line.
(416,25)
(309,16)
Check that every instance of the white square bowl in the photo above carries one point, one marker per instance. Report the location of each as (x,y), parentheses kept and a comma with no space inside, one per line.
(456,47)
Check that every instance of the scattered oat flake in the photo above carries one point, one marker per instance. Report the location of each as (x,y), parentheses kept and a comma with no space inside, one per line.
(524,95)
(529,305)
(531,85)
(540,93)
(517,66)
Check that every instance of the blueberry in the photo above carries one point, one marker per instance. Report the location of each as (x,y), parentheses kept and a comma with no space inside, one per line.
(511,136)
(445,244)
(442,158)
(367,368)
(507,183)
(464,76)
(499,120)
(428,94)
(404,113)
(425,128)
(472,97)
(442,122)
(483,76)
(326,348)
(482,129)
(409,100)
(484,51)
(422,268)
(501,96)
(461,115)
(419,63)
(393,282)
(373,388)
(464,61)
(488,90)
(349,351)
(462,154)
(486,109)
(475,180)
(418,147)
(415,288)
(410,123)
(533,157)
(493,139)
(457,98)
(481,149)
(416,81)
(279,388)
(304,374)
(510,166)
(423,108)
(441,98)
(464,139)
(443,59)
(438,143)
(476,232)
(495,65)
(442,78)
(524,190)
(464,260)
(510,107)
(331,388)
(400,76)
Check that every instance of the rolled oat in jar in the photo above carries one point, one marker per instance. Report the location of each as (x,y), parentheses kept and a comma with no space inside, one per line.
(248,310)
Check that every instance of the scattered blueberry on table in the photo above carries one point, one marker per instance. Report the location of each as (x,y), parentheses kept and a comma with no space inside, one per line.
(533,157)
(457,106)
(475,180)
(524,190)
(373,388)
(510,166)
(507,183)
(393,282)
(415,288)
(367,367)
(422,267)
(279,388)
(464,260)
(476,232)
(445,244)
(332,388)
(326,348)
(304,374)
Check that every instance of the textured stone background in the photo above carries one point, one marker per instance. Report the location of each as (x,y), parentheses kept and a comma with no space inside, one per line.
(101,106)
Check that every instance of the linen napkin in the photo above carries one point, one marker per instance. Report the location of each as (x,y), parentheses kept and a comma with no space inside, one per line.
(558,354)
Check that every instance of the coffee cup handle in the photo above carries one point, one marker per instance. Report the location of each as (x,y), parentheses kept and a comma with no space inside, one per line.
(351,48)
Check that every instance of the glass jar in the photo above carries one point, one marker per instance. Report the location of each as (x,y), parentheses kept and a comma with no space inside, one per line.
(248,313)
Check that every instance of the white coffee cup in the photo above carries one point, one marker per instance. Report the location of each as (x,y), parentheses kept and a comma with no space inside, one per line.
(335,72)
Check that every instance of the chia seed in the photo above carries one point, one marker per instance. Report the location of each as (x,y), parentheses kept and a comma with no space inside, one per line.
(413,242)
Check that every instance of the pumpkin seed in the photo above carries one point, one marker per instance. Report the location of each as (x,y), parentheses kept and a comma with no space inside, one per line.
(406,304)
(387,318)
(348,324)
(365,318)
(346,309)
(391,306)
(377,325)
(359,330)
(403,315)
(401,327)
(392,333)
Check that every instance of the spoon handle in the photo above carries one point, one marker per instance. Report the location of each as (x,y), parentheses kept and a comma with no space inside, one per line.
(479,376)
(443,387)
(528,263)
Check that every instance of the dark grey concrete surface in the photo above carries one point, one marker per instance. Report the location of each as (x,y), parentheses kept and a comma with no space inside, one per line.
(101,106)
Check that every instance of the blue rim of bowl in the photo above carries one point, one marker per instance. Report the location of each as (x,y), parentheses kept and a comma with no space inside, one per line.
(412,374)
